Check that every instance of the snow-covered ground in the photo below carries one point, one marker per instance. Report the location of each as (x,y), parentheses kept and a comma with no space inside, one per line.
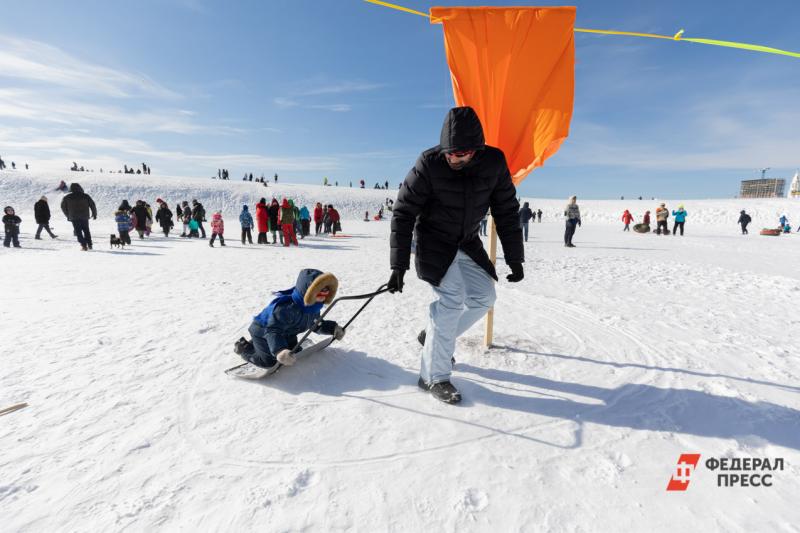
(611,360)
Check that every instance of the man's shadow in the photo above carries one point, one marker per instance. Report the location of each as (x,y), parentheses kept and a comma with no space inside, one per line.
(638,406)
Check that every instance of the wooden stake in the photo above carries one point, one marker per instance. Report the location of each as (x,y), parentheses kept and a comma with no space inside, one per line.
(489,333)
(12,408)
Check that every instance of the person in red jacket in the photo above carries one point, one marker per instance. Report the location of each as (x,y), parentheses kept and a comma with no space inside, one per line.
(317,218)
(287,223)
(262,217)
(334,216)
(627,218)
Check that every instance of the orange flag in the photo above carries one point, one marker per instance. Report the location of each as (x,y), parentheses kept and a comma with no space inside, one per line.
(516,67)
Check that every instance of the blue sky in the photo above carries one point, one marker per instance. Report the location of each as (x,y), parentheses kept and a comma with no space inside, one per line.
(349,90)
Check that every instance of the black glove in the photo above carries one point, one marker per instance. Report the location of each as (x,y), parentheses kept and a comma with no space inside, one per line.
(94,217)
(516,272)
(396,281)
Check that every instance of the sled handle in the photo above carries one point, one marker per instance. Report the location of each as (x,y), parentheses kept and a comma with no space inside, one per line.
(370,295)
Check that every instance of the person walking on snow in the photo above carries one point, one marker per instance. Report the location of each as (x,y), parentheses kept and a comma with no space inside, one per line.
(164,218)
(662,214)
(199,215)
(680,220)
(140,216)
(123,219)
(573,215)
(11,224)
(274,213)
(646,218)
(262,221)
(336,224)
(305,222)
(287,223)
(77,206)
(317,218)
(41,213)
(525,215)
(246,221)
(296,310)
(744,220)
(627,218)
(442,201)
(217,229)
(539,214)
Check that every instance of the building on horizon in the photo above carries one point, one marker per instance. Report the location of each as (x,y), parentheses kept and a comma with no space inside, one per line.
(763,188)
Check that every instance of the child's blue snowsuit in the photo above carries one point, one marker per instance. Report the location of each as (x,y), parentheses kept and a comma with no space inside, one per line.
(276,328)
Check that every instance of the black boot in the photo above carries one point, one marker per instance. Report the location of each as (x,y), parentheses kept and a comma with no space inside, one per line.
(242,346)
(443,391)
(421,340)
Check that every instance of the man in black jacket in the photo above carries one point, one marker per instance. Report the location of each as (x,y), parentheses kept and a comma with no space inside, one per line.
(77,206)
(442,200)
(525,216)
(41,212)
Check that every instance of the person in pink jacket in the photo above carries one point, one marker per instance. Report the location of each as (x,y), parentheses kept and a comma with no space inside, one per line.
(217,229)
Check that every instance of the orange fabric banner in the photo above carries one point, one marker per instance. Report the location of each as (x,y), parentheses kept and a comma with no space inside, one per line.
(516,67)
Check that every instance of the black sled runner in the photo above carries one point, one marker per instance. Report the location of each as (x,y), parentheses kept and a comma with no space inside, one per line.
(304,346)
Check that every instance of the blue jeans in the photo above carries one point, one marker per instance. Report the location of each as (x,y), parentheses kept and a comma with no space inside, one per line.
(483,227)
(464,295)
(525,230)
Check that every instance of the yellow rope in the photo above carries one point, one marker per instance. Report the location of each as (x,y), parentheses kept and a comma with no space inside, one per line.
(677,37)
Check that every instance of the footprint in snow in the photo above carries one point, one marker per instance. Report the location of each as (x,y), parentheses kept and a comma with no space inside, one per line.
(302,481)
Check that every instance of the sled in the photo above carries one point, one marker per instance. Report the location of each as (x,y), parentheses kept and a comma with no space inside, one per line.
(771,232)
(641,228)
(303,349)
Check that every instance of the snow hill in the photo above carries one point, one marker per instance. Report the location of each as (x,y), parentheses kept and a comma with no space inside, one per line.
(21,189)
(610,361)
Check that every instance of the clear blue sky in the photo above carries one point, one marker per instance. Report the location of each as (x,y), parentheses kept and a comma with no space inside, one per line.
(349,90)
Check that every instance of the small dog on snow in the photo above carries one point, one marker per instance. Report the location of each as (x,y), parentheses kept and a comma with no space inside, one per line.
(115,241)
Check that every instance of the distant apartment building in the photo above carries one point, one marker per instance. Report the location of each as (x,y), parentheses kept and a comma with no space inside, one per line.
(763,188)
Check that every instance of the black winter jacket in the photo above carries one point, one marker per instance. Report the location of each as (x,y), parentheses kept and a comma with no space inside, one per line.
(11,224)
(41,212)
(77,205)
(199,213)
(444,207)
(525,215)
(142,216)
(164,217)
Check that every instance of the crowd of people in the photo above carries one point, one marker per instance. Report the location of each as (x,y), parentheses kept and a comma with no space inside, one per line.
(283,220)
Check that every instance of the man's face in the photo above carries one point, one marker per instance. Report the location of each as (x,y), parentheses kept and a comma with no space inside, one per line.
(458,159)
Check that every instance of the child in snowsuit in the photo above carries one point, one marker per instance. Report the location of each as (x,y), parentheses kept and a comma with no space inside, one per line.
(123,220)
(246,220)
(217,229)
(275,329)
(11,224)
(627,218)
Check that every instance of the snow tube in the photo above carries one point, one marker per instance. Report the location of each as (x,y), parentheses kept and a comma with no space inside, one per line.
(771,232)
(641,228)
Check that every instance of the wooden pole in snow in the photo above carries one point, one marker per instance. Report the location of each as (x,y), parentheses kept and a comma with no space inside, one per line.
(488,335)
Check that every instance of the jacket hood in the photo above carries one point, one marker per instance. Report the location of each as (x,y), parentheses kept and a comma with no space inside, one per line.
(244,208)
(8,208)
(285,203)
(75,187)
(461,130)
(217,216)
(310,281)
(526,204)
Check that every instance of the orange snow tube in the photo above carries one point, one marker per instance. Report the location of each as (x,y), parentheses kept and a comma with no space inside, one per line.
(771,232)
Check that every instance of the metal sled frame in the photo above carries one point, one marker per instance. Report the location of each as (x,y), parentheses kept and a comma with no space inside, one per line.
(368,296)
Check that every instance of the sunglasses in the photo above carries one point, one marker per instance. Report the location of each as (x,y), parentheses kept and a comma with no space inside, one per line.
(460,153)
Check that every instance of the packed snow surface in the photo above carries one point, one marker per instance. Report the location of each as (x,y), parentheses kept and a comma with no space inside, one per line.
(610,360)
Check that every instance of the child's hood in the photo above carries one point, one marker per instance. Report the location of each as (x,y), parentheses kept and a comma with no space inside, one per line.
(217,216)
(8,208)
(310,281)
